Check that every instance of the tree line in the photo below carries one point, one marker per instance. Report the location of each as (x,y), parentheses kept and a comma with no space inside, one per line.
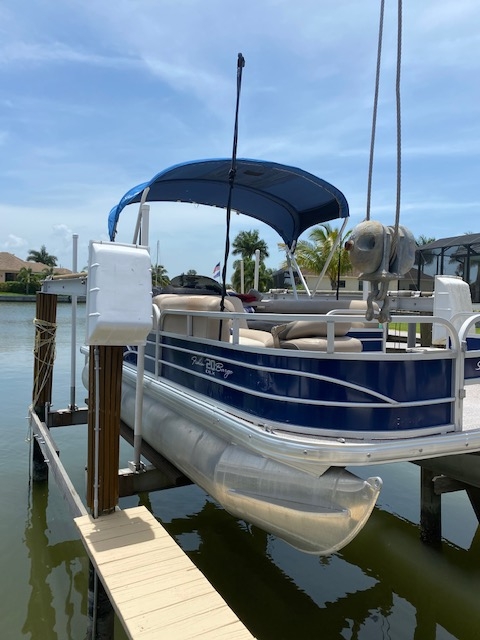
(311,256)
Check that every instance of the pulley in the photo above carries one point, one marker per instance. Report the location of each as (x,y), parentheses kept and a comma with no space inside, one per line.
(379,254)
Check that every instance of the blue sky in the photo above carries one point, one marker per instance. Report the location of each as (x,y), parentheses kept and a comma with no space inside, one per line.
(96,97)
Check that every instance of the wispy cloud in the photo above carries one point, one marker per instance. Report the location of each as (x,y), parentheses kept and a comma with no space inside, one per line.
(14,243)
(27,53)
(97,100)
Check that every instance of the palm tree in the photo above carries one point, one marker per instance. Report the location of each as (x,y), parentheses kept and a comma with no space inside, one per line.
(427,257)
(42,256)
(245,244)
(265,275)
(312,254)
(48,271)
(27,277)
(159,276)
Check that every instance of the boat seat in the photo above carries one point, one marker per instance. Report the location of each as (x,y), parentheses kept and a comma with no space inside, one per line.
(254,338)
(202,327)
(304,304)
(311,335)
(341,344)
(246,336)
(308,329)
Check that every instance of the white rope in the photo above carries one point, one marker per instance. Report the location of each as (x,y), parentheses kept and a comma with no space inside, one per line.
(44,341)
(375,109)
(398,118)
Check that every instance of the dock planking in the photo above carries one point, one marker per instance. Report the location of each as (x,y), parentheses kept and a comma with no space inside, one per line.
(154,587)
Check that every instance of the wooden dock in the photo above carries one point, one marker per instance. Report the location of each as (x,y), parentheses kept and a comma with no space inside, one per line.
(155,589)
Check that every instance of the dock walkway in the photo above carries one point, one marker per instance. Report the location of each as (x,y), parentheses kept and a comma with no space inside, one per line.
(155,589)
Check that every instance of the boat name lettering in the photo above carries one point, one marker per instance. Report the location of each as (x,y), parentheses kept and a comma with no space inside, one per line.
(211,366)
(477,368)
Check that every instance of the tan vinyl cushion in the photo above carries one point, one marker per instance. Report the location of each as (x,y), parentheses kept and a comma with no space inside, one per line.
(238,306)
(255,338)
(308,329)
(341,344)
(202,327)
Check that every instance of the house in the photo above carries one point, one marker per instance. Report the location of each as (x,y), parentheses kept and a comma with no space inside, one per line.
(456,256)
(10,267)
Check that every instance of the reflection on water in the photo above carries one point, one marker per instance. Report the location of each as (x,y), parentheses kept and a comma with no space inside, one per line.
(384,584)
(58,574)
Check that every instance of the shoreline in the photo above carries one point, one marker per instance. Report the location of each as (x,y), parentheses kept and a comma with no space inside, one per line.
(33,298)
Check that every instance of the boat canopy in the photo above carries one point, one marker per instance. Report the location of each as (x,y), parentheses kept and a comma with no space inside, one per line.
(287,199)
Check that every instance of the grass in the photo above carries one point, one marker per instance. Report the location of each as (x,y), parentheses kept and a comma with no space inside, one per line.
(403,326)
(11,294)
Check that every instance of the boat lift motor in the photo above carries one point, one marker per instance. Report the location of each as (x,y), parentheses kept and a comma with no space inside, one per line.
(379,254)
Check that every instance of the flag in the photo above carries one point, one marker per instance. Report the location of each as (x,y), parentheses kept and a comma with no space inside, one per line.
(216,271)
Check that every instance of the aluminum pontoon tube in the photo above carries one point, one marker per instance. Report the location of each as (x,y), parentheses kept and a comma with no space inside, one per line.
(317,515)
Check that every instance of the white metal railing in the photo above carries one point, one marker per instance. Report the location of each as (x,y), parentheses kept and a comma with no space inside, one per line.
(455,349)
(338,316)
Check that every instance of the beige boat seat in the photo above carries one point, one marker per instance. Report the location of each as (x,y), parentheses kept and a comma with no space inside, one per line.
(202,327)
(246,336)
(311,335)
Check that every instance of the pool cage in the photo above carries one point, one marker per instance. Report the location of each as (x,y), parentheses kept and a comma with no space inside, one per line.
(457,256)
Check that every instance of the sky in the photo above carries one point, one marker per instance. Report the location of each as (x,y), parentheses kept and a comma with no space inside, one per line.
(96,97)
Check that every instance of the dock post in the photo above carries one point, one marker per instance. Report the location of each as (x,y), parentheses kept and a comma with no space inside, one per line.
(102,482)
(44,355)
(430,509)
(101,617)
(104,398)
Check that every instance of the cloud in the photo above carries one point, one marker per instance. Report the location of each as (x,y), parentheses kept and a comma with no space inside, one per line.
(58,52)
(14,243)
(100,100)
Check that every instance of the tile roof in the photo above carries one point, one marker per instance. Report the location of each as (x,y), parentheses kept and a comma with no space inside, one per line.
(12,264)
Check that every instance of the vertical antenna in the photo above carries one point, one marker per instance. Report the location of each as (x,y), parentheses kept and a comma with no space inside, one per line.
(231,179)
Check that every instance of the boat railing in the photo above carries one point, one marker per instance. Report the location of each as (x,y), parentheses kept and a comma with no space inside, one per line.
(454,350)
(468,322)
(331,319)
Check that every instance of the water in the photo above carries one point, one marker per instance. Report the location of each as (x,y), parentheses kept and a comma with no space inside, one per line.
(385,584)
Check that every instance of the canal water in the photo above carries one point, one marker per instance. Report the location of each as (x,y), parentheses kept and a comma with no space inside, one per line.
(385,584)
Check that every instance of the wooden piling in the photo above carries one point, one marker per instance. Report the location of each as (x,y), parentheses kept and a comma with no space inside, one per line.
(108,396)
(430,509)
(44,356)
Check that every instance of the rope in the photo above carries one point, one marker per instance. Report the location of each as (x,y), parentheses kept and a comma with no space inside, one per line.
(375,109)
(393,249)
(44,344)
(398,122)
(231,180)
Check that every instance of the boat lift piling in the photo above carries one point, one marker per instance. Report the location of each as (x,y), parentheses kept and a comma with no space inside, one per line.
(44,355)
(119,543)
(105,379)
(442,475)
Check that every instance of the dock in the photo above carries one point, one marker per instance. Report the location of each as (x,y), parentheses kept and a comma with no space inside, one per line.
(136,568)
(155,589)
